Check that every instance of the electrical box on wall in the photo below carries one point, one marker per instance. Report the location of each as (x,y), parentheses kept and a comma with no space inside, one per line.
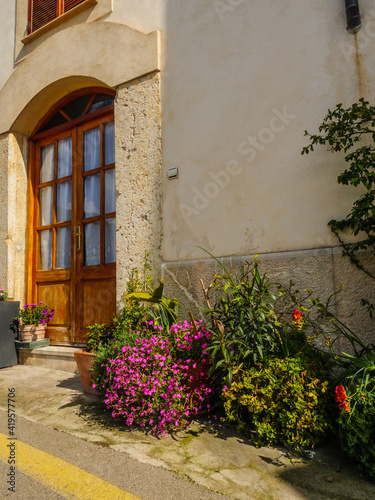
(172,173)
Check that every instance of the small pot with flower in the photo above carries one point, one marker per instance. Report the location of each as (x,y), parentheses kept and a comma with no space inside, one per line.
(32,320)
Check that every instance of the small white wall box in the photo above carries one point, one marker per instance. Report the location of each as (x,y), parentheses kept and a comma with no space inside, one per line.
(172,173)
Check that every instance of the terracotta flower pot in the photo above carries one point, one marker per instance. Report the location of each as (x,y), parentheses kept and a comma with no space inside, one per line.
(84,361)
(31,333)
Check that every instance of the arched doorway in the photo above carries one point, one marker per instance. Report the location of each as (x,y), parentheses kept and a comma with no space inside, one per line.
(72,233)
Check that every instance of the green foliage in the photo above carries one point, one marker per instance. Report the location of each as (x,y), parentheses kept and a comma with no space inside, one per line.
(167,309)
(357,430)
(280,401)
(255,319)
(246,314)
(352,131)
(358,368)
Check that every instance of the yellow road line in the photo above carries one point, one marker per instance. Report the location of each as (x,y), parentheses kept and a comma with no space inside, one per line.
(67,479)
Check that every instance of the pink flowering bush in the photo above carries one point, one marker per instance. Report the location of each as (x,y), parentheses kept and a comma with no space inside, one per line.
(150,384)
(190,342)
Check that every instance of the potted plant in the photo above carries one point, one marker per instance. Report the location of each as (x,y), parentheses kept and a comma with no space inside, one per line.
(85,357)
(32,320)
(8,309)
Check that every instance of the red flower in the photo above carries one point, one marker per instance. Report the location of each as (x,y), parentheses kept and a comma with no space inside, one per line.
(344,406)
(342,398)
(340,394)
(297,315)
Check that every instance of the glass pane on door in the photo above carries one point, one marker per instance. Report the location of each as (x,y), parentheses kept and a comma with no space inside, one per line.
(110,241)
(91,193)
(64,158)
(92,243)
(45,249)
(47,163)
(109,143)
(109,192)
(46,196)
(64,201)
(91,149)
(63,245)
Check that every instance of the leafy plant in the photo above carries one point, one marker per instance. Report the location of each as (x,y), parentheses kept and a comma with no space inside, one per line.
(352,130)
(243,319)
(256,319)
(167,309)
(358,368)
(280,401)
(357,430)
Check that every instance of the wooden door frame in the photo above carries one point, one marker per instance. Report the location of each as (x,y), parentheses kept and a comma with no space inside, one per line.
(32,184)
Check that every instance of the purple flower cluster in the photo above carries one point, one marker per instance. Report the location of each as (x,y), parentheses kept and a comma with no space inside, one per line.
(151,385)
(190,341)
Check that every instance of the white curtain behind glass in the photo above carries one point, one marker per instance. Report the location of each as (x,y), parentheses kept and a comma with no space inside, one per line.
(64,157)
(92,149)
(63,240)
(92,196)
(64,201)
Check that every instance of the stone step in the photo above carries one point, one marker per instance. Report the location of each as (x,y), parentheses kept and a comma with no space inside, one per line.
(54,357)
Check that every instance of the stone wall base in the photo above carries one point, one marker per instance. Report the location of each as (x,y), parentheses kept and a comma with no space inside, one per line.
(324,271)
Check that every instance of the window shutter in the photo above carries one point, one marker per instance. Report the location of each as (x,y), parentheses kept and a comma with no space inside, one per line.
(69,4)
(42,12)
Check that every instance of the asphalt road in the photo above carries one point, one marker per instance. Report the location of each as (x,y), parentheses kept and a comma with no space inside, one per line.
(52,476)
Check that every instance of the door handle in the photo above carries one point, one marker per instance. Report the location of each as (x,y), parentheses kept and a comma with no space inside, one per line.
(78,238)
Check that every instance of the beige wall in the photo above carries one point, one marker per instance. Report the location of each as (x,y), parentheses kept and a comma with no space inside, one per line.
(13,206)
(228,75)
(7,16)
(142,15)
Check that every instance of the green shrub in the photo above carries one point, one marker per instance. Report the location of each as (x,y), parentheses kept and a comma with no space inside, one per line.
(357,431)
(278,402)
(256,319)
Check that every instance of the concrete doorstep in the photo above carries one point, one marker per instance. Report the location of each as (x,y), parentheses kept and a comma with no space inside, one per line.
(209,453)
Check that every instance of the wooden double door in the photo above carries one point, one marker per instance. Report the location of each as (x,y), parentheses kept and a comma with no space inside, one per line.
(73,233)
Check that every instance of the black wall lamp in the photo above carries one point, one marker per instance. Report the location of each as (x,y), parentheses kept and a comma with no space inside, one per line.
(353,16)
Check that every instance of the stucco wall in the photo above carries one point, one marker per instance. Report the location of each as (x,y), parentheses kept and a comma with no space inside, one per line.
(4,158)
(7,16)
(138,176)
(145,15)
(241,84)
(13,206)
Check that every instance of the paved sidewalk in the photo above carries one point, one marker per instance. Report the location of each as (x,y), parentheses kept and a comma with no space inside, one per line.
(207,453)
